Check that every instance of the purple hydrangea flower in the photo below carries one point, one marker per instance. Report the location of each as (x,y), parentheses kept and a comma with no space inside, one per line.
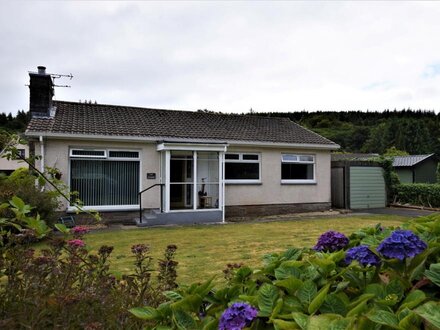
(401,244)
(363,255)
(238,316)
(331,241)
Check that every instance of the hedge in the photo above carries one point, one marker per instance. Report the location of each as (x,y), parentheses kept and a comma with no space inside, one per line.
(423,194)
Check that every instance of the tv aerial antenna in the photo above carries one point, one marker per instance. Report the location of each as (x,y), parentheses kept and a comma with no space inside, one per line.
(58,76)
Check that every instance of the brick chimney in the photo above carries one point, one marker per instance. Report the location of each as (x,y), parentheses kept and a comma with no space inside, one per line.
(41,93)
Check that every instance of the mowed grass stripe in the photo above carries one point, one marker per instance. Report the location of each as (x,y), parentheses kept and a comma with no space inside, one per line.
(204,250)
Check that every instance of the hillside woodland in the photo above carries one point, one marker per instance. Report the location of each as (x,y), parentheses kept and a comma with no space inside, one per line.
(413,131)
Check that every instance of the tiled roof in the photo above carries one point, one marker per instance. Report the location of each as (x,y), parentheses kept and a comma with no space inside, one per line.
(97,119)
(401,161)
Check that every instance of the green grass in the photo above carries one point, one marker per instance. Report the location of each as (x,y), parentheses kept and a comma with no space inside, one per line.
(205,250)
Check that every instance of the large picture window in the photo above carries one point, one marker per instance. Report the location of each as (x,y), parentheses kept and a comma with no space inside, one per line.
(105,177)
(242,168)
(297,168)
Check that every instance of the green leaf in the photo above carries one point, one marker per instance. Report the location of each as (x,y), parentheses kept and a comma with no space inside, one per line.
(384,318)
(285,325)
(163,327)
(395,287)
(292,304)
(172,295)
(413,299)
(409,321)
(301,319)
(434,273)
(277,309)
(211,325)
(322,322)
(337,256)
(144,313)
(62,228)
(333,304)
(358,309)
(292,254)
(283,272)
(204,288)
(326,265)
(319,299)
(307,292)
(267,296)
(361,298)
(376,289)
(291,284)
(342,324)
(430,312)
(183,320)
(188,303)
(18,203)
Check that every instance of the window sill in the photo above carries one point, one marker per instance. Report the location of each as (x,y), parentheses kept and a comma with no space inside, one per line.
(298,182)
(243,182)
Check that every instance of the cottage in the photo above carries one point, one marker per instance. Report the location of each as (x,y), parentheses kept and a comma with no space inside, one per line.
(178,166)
(416,168)
(7,166)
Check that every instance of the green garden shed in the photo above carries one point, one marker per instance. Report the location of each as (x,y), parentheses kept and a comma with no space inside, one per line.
(416,168)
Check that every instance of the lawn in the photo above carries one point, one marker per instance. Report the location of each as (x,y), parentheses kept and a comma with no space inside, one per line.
(204,250)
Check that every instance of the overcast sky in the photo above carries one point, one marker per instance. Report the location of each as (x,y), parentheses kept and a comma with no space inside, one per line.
(226,56)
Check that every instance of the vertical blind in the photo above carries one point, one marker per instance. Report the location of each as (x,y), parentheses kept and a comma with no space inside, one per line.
(105,182)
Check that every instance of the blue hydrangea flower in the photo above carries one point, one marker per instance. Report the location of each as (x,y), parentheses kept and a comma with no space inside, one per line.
(331,241)
(363,255)
(401,244)
(238,316)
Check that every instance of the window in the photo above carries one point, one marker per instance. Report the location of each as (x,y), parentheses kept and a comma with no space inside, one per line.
(242,168)
(21,153)
(105,177)
(297,168)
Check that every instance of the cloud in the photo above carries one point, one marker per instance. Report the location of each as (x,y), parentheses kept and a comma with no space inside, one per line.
(226,56)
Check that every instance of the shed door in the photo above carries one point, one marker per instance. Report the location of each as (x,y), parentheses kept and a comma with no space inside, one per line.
(338,187)
(367,188)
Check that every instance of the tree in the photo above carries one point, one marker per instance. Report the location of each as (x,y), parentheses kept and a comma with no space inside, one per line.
(393,151)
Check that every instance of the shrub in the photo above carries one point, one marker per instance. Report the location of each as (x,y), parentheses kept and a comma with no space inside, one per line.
(22,184)
(357,288)
(64,286)
(423,194)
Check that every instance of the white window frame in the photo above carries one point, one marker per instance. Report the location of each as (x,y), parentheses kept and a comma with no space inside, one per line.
(71,155)
(241,160)
(298,161)
(107,157)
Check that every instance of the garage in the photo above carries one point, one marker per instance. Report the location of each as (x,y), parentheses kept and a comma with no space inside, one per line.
(367,187)
(357,184)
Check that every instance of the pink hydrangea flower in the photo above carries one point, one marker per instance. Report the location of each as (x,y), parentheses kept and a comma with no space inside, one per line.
(76,243)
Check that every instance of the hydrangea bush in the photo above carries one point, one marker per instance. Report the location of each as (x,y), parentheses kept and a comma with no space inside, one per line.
(238,316)
(331,241)
(377,278)
(401,244)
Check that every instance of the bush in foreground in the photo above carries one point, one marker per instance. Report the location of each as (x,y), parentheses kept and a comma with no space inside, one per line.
(65,286)
(378,278)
